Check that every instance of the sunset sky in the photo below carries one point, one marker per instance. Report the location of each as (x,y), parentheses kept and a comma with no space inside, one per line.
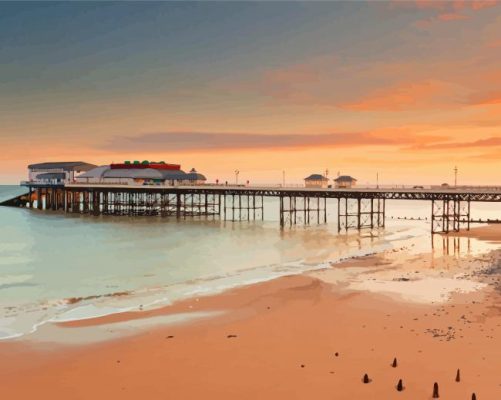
(408,89)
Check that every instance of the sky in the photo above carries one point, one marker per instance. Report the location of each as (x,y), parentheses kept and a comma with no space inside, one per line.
(406,90)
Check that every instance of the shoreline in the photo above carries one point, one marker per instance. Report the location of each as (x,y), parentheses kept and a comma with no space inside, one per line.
(278,339)
(123,300)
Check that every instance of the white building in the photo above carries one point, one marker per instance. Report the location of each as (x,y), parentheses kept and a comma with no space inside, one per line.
(56,173)
(140,176)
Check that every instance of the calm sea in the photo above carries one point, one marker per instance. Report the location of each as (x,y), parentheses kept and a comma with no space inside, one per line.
(56,267)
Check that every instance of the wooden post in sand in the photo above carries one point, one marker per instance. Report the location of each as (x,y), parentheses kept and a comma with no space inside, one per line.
(458,376)
(400,385)
(366,378)
(435,391)
(394,364)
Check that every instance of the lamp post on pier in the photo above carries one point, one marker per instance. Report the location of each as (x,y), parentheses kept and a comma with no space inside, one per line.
(236,176)
(455,176)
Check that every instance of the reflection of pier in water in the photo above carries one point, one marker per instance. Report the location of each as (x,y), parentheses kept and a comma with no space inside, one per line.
(356,208)
(452,245)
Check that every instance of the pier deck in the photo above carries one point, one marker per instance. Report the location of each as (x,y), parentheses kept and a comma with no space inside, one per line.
(357,208)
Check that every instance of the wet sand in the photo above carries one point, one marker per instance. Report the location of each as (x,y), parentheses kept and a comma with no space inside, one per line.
(490,233)
(310,336)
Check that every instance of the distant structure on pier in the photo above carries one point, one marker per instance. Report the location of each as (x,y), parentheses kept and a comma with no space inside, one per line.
(127,173)
(316,181)
(142,173)
(345,182)
(57,173)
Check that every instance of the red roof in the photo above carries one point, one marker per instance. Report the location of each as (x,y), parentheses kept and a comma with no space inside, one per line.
(174,167)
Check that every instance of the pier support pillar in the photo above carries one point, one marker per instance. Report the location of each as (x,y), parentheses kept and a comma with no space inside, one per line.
(178,205)
(448,215)
(302,209)
(39,198)
(360,213)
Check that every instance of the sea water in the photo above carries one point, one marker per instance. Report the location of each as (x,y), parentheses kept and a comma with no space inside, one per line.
(60,267)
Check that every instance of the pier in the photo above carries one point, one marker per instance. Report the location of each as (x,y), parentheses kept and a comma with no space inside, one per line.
(450,208)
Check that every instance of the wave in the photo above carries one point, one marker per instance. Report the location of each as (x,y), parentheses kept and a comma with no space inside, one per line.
(27,319)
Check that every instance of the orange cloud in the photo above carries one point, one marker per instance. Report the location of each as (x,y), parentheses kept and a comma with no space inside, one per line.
(489,142)
(487,99)
(294,82)
(451,17)
(446,11)
(494,43)
(213,141)
(474,5)
(407,95)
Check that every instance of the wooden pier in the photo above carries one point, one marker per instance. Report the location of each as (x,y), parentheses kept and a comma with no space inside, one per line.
(356,208)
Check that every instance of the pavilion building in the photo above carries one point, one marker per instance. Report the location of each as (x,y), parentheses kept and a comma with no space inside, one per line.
(144,173)
(345,182)
(316,181)
(57,173)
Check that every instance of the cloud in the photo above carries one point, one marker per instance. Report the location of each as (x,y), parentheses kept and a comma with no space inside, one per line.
(486,98)
(375,86)
(440,6)
(444,11)
(307,82)
(451,17)
(494,141)
(209,141)
(494,44)
(408,95)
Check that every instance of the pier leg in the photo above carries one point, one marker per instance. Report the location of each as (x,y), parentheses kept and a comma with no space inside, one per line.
(178,205)
(372,214)
(384,213)
(281,211)
(86,201)
(254,206)
(306,209)
(346,213)
(65,193)
(339,215)
(359,215)
(468,217)
(318,210)
(53,199)
(233,207)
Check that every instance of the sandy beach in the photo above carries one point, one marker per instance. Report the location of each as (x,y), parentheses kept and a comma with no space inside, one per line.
(310,336)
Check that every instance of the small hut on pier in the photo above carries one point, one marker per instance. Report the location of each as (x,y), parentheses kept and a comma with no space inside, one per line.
(345,182)
(316,181)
